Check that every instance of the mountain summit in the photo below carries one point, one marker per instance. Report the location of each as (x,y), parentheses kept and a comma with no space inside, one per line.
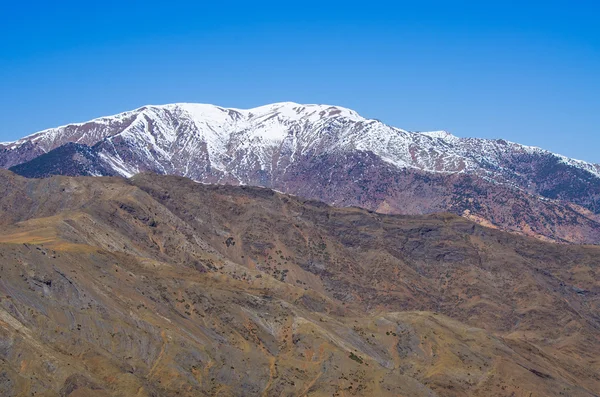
(332,154)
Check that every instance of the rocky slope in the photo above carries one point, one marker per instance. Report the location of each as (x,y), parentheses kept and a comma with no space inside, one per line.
(331,154)
(159,286)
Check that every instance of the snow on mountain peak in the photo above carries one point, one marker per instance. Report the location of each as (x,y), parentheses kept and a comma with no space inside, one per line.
(286,110)
(176,135)
(440,134)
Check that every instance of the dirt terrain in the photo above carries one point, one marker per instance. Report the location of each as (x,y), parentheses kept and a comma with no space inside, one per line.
(159,286)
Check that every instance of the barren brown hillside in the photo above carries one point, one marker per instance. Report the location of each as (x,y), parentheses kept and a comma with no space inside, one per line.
(159,286)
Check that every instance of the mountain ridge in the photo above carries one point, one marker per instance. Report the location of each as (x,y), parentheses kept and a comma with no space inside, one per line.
(275,145)
(288,108)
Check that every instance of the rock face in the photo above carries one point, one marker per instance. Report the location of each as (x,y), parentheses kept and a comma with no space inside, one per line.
(159,286)
(331,154)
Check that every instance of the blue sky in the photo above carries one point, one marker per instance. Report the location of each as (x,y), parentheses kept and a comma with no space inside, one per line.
(529,73)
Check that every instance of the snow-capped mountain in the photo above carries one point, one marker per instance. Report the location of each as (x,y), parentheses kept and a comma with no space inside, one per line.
(329,153)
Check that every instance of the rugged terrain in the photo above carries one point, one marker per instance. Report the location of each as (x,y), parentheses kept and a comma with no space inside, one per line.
(334,155)
(159,286)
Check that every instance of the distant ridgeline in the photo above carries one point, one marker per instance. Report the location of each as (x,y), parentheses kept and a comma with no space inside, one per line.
(331,154)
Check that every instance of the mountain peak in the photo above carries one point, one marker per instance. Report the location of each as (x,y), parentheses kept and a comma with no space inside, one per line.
(289,110)
(440,134)
(325,152)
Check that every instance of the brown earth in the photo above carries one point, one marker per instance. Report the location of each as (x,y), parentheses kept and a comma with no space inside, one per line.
(159,286)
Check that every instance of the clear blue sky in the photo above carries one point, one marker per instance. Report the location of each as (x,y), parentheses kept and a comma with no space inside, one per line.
(525,71)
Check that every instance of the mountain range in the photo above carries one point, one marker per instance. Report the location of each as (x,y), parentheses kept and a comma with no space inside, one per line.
(161,286)
(332,154)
